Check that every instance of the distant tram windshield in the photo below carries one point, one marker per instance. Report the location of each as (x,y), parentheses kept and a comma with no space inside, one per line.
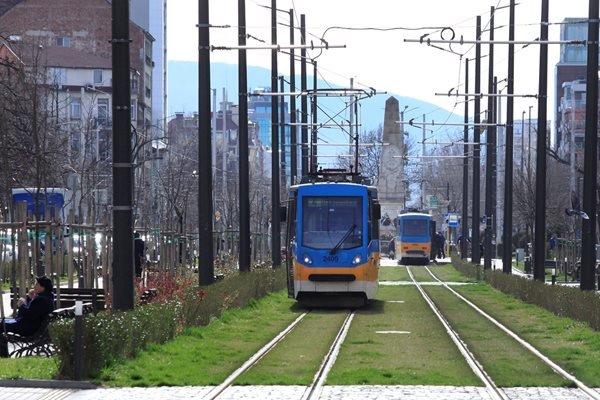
(327,220)
(415,227)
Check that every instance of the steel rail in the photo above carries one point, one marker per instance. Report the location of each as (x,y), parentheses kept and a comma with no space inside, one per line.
(218,390)
(314,390)
(493,390)
(555,367)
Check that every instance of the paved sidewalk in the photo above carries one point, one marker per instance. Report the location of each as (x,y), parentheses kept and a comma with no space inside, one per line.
(292,393)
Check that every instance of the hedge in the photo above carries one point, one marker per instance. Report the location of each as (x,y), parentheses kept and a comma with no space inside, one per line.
(563,301)
(110,337)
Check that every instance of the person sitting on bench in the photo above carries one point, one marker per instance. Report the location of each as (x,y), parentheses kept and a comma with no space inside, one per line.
(30,316)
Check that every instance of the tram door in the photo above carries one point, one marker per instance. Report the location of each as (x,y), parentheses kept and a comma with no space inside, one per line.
(288,214)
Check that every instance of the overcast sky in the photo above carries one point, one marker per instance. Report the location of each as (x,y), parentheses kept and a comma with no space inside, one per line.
(381,59)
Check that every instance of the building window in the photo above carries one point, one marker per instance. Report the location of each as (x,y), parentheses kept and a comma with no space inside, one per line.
(103,144)
(75,142)
(63,41)
(57,76)
(103,112)
(134,110)
(75,107)
(134,82)
(97,76)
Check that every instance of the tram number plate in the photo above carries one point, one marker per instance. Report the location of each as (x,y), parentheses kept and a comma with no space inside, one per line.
(330,259)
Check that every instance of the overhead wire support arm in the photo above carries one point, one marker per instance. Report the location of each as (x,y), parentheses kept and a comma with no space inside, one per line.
(422,40)
(459,143)
(319,124)
(432,123)
(323,93)
(279,47)
(343,144)
(408,157)
(450,93)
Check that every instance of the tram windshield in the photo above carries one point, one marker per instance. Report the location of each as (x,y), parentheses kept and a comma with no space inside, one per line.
(415,227)
(326,220)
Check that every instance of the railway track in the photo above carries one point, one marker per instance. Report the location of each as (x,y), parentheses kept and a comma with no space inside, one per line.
(494,391)
(314,390)
(218,390)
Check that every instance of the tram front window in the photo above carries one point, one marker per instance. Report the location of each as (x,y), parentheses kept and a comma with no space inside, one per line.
(415,227)
(326,220)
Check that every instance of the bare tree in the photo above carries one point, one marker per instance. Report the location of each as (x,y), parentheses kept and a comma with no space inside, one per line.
(370,149)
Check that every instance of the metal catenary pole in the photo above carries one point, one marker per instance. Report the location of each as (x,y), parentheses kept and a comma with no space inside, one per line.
(293,131)
(122,167)
(539,255)
(476,254)
(465,199)
(275,222)
(244,192)
(508,163)
(304,99)
(205,208)
(490,133)
(494,151)
(282,142)
(588,229)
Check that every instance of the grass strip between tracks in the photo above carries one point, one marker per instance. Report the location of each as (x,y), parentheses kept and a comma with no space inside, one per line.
(395,273)
(297,358)
(503,358)
(447,273)
(425,356)
(571,344)
(207,355)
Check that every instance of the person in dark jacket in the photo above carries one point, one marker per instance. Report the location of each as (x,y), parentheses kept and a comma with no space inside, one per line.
(139,248)
(30,316)
(440,244)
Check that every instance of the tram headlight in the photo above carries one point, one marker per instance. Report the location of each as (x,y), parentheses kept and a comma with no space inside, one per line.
(357,259)
(306,258)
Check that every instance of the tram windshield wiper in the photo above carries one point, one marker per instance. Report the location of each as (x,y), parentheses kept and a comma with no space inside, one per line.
(342,240)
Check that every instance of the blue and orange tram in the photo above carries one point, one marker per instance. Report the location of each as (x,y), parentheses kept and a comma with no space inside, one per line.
(413,238)
(332,243)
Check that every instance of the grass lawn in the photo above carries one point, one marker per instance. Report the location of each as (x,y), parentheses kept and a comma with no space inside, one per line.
(396,273)
(207,355)
(425,356)
(28,368)
(297,358)
(503,358)
(571,344)
(447,273)
(421,274)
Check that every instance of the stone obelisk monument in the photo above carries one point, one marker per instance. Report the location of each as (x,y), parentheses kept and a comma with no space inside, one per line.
(391,186)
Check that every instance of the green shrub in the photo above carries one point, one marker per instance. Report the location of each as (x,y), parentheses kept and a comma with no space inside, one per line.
(563,301)
(109,337)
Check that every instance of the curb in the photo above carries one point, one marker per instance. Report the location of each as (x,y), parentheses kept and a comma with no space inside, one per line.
(47,384)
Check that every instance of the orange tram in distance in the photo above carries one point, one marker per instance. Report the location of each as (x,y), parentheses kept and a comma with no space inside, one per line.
(413,238)
(332,241)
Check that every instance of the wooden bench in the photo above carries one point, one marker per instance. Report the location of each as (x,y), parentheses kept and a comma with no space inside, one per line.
(39,343)
(66,297)
(147,296)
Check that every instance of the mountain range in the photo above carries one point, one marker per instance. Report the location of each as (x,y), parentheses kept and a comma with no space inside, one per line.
(183,95)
